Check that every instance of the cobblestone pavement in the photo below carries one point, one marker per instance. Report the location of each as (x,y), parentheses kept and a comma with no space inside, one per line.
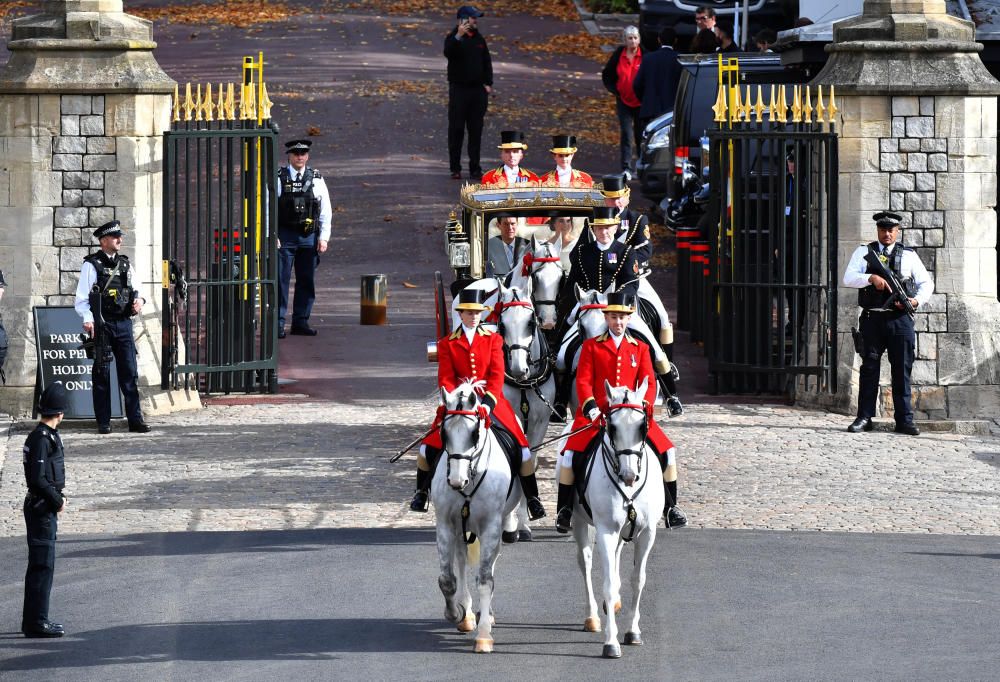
(759,467)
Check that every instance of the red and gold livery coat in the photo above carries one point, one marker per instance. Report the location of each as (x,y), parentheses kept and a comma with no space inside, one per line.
(626,365)
(577,179)
(497,178)
(483,360)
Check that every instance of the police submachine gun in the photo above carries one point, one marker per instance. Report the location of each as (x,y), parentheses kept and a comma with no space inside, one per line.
(898,291)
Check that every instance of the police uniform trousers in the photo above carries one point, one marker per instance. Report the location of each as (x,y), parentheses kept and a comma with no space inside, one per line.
(119,338)
(297,251)
(466,109)
(40,523)
(891,332)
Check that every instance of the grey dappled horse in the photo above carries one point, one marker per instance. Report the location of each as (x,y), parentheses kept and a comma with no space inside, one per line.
(473,474)
(625,495)
(529,383)
(541,273)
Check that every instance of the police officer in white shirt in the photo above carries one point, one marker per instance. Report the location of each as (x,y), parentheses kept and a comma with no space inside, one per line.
(885,325)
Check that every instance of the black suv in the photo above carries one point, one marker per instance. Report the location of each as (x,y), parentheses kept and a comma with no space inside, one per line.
(656,14)
(674,139)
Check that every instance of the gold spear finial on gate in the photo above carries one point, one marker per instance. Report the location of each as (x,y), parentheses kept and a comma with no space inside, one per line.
(265,103)
(831,111)
(736,110)
(807,108)
(796,105)
(759,107)
(197,103)
(720,104)
(188,102)
(820,108)
(782,105)
(207,104)
(177,103)
(772,108)
(220,106)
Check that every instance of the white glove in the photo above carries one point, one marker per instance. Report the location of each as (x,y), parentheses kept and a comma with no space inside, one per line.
(594,414)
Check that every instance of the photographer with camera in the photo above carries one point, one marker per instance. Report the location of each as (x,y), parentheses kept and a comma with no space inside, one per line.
(107,302)
(304,217)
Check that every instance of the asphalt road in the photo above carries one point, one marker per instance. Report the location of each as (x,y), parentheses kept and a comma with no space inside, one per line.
(363,604)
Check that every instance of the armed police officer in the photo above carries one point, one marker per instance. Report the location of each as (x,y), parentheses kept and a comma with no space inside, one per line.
(107,302)
(304,217)
(887,318)
(45,474)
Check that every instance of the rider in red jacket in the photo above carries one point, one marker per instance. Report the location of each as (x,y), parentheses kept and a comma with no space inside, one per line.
(621,360)
(474,353)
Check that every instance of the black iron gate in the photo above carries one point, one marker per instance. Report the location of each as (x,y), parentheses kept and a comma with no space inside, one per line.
(769,262)
(220,250)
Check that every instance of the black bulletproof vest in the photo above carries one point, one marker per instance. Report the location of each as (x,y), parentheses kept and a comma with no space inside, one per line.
(114,281)
(298,207)
(870,297)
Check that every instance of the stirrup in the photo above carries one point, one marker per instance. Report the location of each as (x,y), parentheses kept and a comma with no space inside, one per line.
(564,520)
(419,502)
(535,509)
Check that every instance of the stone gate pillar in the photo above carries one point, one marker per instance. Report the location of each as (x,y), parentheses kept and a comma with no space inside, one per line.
(918,126)
(83,108)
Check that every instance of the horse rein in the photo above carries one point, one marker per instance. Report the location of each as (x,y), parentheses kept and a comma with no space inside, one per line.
(473,458)
(613,469)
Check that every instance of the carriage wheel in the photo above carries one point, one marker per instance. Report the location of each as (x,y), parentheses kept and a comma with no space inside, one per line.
(440,306)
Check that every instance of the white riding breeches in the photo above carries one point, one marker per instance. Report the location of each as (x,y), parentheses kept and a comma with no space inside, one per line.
(648,294)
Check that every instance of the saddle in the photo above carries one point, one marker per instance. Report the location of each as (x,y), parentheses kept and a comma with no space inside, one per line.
(581,469)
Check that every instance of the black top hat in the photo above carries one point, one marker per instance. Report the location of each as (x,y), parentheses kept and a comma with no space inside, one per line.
(614,186)
(468,11)
(512,139)
(605,215)
(620,302)
(297,146)
(112,229)
(563,144)
(887,219)
(54,400)
(471,299)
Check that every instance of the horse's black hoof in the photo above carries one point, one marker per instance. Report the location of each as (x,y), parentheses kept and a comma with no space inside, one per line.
(524,536)
(633,639)
(509,537)
(612,651)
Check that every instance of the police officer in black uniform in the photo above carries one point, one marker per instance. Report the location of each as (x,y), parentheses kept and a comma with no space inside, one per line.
(107,302)
(45,474)
(304,215)
(885,325)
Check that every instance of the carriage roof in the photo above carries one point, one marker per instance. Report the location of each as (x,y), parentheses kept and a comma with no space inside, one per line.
(532,199)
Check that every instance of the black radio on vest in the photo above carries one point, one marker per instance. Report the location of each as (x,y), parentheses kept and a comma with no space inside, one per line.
(871,298)
(114,283)
(298,207)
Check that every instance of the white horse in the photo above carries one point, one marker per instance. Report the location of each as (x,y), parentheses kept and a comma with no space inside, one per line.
(540,269)
(472,492)
(529,384)
(585,321)
(625,495)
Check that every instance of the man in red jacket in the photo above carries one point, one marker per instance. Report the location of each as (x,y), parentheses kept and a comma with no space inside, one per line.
(474,353)
(512,147)
(621,360)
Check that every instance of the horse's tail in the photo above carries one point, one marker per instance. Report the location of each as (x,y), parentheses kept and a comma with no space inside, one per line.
(472,552)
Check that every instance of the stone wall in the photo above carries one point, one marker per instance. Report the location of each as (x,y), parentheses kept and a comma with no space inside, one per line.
(933,160)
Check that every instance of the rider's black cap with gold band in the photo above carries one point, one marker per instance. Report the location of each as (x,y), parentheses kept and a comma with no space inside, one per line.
(563,144)
(614,186)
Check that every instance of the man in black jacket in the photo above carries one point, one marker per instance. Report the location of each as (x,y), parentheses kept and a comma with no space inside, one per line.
(656,82)
(45,474)
(470,82)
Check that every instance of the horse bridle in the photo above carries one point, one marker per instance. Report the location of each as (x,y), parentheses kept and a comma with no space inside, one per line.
(611,462)
(473,456)
(645,431)
(543,363)
(527,270)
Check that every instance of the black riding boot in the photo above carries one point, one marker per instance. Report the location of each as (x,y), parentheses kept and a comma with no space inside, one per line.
(421,497)
(675,518)
(669,387)
(529,486)
(564,507)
